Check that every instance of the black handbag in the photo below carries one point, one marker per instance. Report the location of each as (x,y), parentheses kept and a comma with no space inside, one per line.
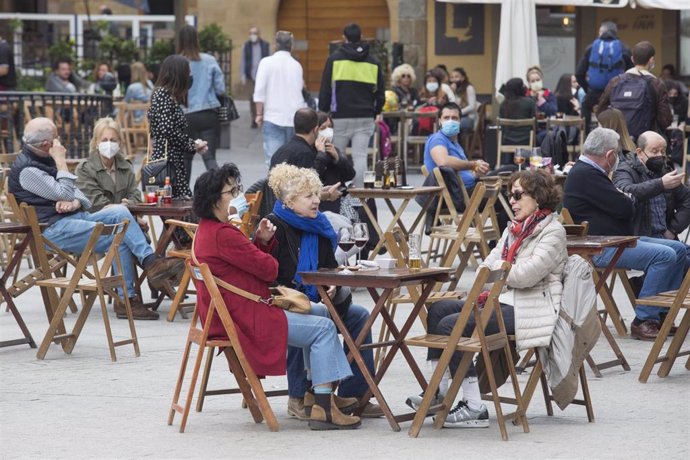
(227,111)
(154,172)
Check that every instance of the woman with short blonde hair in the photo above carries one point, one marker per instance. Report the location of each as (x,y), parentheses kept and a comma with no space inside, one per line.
(403,80)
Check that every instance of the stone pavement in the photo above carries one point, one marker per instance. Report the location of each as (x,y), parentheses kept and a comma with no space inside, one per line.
(83,406)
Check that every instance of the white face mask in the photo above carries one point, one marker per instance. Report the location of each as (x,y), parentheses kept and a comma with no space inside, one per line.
(108,149)
(536,85)
(253,37)
(432,86)
(326,133)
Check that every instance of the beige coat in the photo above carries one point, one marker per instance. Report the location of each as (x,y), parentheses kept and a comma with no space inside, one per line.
(534,285)
(95,182)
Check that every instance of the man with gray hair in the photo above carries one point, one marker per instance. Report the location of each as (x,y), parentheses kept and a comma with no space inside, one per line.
(39,177)
(278,94)
(591,196)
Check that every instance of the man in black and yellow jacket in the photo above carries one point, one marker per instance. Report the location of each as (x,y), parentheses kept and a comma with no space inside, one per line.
(352,90)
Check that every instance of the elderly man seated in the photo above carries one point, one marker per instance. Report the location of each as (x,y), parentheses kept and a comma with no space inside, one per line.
(590,195)
(40,178)
(663,209)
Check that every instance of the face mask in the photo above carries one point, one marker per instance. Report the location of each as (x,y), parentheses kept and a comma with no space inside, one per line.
(574,90)
(191,81)
(326,133)
(240,204)
(656,165)
(615,164)
(536,85)
(253,38)
(432,87)
(450,128)
(108,149)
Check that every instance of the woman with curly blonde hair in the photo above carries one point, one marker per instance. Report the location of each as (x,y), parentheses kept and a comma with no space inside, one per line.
(307,242)
(403,79)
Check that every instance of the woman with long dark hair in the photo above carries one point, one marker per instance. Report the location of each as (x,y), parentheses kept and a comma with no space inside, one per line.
(167,122)
(566,99)
(202,101)
(466,97)
(516,105)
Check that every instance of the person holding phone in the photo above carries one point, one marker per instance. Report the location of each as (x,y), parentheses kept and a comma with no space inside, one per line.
(312,147)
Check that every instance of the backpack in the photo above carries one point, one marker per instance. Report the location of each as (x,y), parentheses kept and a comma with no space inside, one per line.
(605,62)
(634,97)
(385,143)
(555,145)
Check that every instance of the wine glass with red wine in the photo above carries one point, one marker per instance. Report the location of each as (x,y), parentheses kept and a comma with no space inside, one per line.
(346,240)
(361,236)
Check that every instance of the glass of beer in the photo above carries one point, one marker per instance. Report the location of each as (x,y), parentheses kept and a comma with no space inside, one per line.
(414,259)
(369,179)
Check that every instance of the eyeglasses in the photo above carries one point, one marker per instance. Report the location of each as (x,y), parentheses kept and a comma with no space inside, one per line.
(517,196)
(235,191)
(406,75)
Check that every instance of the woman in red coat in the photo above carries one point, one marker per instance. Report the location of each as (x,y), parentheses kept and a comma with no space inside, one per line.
(264,331)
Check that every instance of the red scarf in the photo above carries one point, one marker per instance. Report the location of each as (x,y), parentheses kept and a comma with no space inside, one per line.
(520,231)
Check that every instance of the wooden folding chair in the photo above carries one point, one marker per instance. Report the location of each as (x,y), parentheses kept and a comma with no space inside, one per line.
(459,245)
(673,301)
(183,288)
(90,284)
(503,123)
(486,227)
(251,217)
(570,122)
(479,342)
(133,130)
(249,385)
(399,250)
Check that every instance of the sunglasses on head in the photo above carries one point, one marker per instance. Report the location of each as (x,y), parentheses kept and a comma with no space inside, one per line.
(517,196)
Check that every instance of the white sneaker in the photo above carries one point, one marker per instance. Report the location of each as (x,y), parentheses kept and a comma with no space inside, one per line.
(461,416)
(415,401)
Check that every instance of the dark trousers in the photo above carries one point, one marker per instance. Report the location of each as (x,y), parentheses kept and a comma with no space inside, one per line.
(203,125)
(442,318)
(591,99)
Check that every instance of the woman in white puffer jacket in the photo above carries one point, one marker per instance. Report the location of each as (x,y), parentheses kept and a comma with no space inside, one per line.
(535,244)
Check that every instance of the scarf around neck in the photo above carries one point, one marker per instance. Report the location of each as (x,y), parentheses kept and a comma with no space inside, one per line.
(521,230)
(308,259)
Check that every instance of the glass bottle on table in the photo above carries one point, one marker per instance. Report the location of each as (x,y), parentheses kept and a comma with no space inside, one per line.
(167,191)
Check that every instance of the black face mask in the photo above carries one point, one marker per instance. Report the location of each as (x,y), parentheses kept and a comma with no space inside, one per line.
(191,81)
(656,165)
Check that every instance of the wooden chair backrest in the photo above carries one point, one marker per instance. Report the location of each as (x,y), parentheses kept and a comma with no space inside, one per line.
(425,171)
(516,122)
(566,216)
(112,256)
(249,219)
(580,229)
(446,199)
(6,159)
(189,227)
(464,225)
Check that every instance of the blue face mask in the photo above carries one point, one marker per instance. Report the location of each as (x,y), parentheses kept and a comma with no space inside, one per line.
(240,204)
(450,128)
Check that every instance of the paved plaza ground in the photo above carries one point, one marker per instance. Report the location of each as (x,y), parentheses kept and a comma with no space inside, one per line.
(84,406)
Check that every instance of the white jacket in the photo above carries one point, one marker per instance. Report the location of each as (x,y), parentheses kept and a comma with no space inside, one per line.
(534,285)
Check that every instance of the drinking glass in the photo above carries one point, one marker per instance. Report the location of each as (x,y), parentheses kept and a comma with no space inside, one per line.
(152,194)
(521,156)
(346,240)
(414,259)
(369,179)
(361,236)
(535,159)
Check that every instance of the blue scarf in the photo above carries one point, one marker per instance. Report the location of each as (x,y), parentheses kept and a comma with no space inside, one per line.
(309,246)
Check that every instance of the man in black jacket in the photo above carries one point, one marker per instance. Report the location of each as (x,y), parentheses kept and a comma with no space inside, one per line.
(608,32)
(353,92)
(663,208)
(591,196)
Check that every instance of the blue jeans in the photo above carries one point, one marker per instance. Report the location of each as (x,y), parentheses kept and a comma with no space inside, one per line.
(71,234)
(358,132)
(316,340)
(662,261)
(356,386)
(275,137)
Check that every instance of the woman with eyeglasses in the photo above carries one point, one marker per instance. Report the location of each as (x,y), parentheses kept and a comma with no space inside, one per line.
(403,80)
(264,330)
(535,245)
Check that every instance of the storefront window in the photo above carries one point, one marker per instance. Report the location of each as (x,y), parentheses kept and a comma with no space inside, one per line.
(556,36)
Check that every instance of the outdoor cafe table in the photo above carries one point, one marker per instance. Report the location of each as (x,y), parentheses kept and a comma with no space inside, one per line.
(588,247)
(175,210)
(387,280)
(398,193)
(18,252)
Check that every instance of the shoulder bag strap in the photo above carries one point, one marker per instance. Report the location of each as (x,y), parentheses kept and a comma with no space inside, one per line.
(229,287)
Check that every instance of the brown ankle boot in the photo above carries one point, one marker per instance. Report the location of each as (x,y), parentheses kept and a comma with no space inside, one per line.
(139,311)
(346,405)
(325,415)
(163,268)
